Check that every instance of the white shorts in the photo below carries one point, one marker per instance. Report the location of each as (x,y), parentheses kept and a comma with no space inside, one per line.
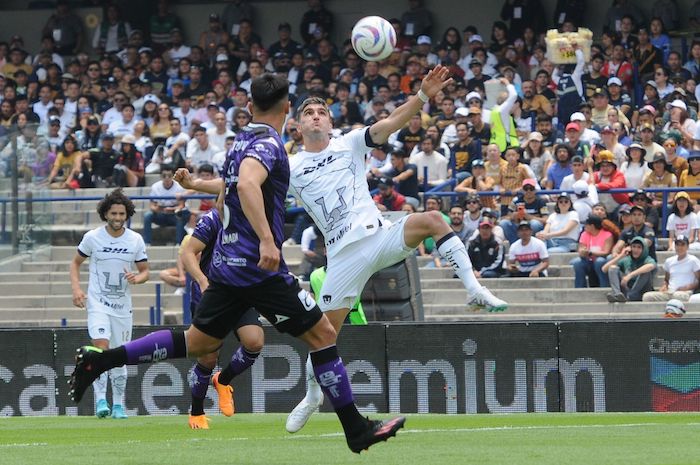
(349,270)
(116,329)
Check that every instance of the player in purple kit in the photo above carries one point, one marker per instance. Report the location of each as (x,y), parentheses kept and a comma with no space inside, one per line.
(196,251)
(248,271)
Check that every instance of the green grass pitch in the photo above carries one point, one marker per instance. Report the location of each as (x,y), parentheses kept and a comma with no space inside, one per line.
(530,439)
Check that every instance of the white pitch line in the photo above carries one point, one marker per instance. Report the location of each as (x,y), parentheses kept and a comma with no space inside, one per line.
(504,428)
(405,431)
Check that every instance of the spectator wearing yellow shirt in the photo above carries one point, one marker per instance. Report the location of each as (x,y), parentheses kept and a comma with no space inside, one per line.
(661,176)
(66,166)
(512,176)
(691,176)
(494,163)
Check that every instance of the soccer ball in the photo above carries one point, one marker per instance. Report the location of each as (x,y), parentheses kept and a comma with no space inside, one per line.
(373,38)
(674,309)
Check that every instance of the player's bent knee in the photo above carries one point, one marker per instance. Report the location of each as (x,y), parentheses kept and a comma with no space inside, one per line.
(199,344)
(252,338)
(321,335)
(208,360)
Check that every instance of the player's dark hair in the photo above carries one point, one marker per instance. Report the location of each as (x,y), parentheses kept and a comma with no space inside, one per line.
(268,91)
(206,168)
(312,101)
(116,197)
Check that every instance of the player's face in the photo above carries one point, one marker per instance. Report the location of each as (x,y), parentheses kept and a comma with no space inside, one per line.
(116,217)
(315,119)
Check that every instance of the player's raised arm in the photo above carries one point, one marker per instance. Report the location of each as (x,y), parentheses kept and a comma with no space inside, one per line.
(209,186)
(252,174)
(433,82)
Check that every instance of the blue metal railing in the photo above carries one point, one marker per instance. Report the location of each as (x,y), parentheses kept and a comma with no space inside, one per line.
(156,310)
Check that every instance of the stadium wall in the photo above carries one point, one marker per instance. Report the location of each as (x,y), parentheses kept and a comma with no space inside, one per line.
(17,19)
(423,368)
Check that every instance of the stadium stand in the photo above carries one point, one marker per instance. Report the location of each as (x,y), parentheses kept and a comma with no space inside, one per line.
(130,102)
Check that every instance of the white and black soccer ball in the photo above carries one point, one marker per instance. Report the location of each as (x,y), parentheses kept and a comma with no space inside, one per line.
(373,38)
(674,309)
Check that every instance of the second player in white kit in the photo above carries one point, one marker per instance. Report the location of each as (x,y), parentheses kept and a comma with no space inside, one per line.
(329,179)
(114,250)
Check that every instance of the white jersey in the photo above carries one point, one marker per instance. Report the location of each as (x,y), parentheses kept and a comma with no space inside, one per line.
(108,290)
(332,187)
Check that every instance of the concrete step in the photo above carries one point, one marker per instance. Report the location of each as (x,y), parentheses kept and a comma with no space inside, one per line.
(558,309)
(155,265)
(543,296)
(560,259)
(508,283)
(562,271)
(143,299)
(66,253)
(63,287)
(43,192)
(53,317)
(533,317)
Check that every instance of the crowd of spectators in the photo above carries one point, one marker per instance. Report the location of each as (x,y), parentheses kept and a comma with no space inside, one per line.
(109,109)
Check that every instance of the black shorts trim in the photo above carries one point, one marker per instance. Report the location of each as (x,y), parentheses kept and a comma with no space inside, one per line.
(280,300)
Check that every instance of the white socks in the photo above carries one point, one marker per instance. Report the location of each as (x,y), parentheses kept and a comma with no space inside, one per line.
(100,387)
(118,378)
(452,249)
(313,390)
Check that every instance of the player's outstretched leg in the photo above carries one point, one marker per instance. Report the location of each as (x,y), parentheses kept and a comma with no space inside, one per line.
(360,432)
(90,361)
(422,225)
(199,385)
(309,404)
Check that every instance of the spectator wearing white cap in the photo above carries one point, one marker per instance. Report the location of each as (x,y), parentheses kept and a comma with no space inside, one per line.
(588,135)
(585,196)
(680,120)
(475,100)
(424,47)
(477,43)
(618,97)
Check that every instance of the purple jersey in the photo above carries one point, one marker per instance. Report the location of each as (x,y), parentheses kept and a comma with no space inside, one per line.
(206,231)
(237,250)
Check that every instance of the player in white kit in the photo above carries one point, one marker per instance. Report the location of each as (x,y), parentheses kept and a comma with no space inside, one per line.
(113,250)
(328,176)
